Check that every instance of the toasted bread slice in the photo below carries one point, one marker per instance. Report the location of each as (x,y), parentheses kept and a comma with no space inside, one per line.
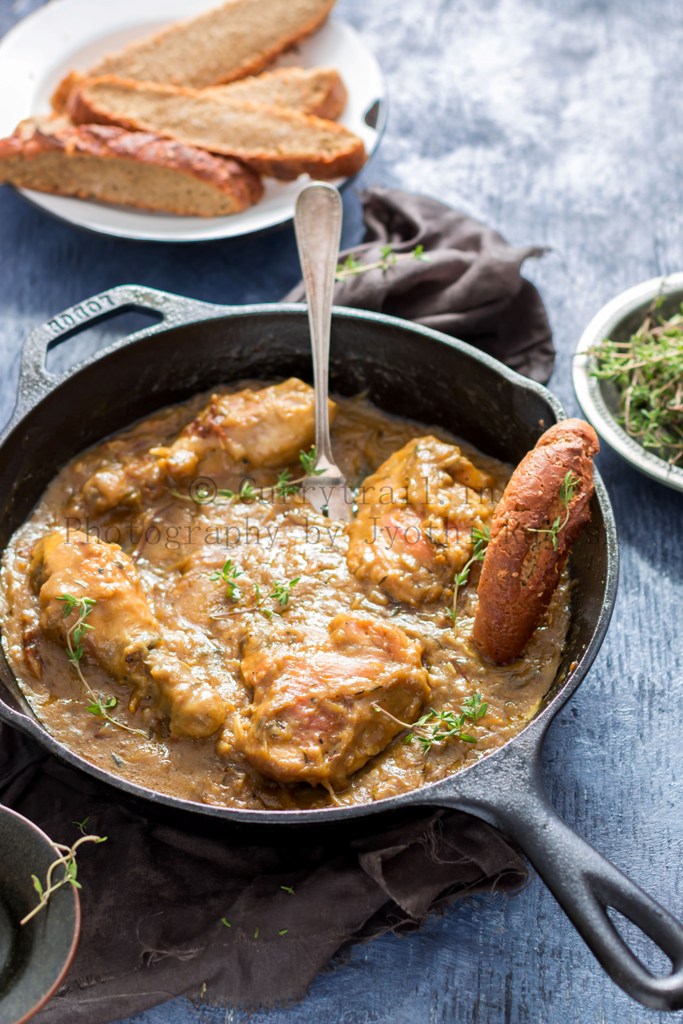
(229,42)
(274,141)
(137,169)
(317,91)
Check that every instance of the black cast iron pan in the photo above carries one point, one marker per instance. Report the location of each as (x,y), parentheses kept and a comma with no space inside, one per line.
(408,370)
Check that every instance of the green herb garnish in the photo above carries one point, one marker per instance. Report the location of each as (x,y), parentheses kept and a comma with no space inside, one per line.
(227,575)
(440,726)
(308,460)
(68,861)
(567,492)
(480,540)
(75,636)
(647,371)
(283,591)
(351,267)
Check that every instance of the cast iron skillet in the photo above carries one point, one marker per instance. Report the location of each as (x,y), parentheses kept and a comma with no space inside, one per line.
(408,370)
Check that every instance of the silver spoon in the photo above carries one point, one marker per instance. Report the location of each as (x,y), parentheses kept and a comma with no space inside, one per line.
(317,224)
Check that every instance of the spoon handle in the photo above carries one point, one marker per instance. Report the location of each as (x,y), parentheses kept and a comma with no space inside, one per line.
(317,224)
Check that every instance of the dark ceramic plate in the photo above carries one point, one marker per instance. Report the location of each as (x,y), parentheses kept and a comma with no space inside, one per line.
(34,957)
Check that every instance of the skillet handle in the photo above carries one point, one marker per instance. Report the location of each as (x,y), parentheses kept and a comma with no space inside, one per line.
(34,377)
(583,882)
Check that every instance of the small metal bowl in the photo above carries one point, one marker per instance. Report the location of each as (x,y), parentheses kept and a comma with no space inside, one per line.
(599,399)
(34,957)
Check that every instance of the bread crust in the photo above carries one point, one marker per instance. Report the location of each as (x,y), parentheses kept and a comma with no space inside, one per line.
(87,107)
(522,567)
(36,137)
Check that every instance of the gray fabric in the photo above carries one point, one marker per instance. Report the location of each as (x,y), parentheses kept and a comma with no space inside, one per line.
(154,894)
(470,286)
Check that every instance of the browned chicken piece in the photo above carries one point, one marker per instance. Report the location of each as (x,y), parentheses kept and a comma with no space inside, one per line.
(124,637)
(245,429)
(314,716)
(253,428)
(415,518)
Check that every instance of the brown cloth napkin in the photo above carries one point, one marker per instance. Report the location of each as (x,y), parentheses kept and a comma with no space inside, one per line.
(470,286)
(156,895)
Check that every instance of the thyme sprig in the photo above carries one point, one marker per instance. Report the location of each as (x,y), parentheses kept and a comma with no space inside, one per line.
(567,492)
(70,877)
(75,635)
(352,267)
(283,591)
(441,726)
(227,575)
(284,487)
(647,371)
(480,541)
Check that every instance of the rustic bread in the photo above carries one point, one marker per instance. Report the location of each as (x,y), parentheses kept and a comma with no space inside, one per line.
(318,91)
(524,559)
(274,141)
(137,169)
(232,41)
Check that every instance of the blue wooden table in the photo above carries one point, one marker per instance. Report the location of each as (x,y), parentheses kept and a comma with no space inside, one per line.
(557,121)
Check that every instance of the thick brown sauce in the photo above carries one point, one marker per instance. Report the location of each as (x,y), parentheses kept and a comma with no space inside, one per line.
(177,543)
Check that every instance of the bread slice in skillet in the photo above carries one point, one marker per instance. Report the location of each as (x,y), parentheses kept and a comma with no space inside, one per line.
(238,38)
(274,141)
(136,169)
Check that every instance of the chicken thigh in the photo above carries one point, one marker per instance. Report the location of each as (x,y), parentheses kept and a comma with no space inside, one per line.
(316,714)
(415,518)
(122,634)
(238,431)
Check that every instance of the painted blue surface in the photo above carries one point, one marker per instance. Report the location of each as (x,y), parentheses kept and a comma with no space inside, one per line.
(559,123)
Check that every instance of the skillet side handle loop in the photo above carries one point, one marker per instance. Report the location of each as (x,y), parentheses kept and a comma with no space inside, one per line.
(34,377)
(584,883)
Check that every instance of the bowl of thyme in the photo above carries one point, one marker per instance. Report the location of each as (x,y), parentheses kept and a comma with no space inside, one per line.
(628,377)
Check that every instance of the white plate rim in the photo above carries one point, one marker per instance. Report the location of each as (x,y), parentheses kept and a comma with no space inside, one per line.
(589,392)
(120,222)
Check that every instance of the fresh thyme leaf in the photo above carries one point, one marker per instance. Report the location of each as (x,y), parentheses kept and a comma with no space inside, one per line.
(283,931)
(567,492)
(480,542)
(288,889)
(257,932)
(283,591)
(352,267)
(75,635)
(647,371)
(67,860)
(441,726)
(248,492)
(225,921)
(285,485)
(308,460)
(100,708)
(227,575)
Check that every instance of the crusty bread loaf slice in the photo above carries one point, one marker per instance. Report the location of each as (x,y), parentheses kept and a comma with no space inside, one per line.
(318,91)
(274,141)
(136,169)
(237,39)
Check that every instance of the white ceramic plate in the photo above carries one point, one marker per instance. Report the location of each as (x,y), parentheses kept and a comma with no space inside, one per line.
(69,35)
(598,399)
